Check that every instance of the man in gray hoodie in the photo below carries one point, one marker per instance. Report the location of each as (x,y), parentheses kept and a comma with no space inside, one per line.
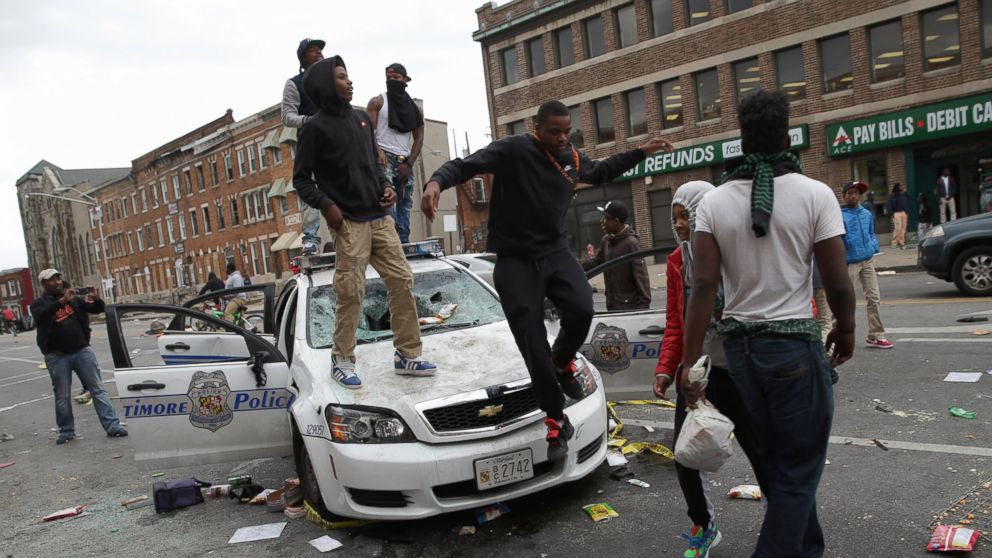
(627,285)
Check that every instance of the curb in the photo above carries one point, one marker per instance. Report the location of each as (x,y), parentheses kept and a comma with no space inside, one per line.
(900,268)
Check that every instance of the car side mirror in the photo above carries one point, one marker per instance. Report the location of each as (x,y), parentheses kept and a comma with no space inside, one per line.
(257,365)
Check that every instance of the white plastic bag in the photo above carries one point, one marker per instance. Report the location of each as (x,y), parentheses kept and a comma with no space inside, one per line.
(704,443)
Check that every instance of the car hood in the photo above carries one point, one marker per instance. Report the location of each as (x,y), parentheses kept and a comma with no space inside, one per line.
(982,221)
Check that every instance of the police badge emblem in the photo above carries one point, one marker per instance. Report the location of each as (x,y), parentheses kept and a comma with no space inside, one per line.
(207,395)
(609,348)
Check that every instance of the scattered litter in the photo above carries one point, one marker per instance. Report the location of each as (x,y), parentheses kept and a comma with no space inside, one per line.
(84,398)
(216,491)
(42,366)
(142,504)
(952,539)
(638,482)
(886,272)
(968,377)
(257,533)
(827,462)
(880,445)
(116,456)
(62,514)
(970,436)
(972,319)
(325,544)
(261,496)
(289,494)
(611,424)
(6,437)
(491,512)
(240,480)
(614,458)
(883,408)
(601,511)
(115,530)
(136,351)
(648,428)
(5,465)
(295,512)
(156,475)
(466,530)
(902,414)
(128,502)
(313,516)
(981,332)
(621,473)
(745,492)
(961,413)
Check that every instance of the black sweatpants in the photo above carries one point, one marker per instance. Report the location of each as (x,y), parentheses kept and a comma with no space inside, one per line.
(722,393)
(523,284)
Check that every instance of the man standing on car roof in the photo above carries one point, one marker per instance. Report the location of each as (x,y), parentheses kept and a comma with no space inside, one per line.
(534,181)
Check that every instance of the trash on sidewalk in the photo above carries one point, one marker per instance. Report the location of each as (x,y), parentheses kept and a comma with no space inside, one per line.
(638,482)
(257,533)
(745,492)
(216,491)
(883,408)
(156,475)
(621,473)
(980,332)
(261,496)
(601,511)
(129,501)
(880,445)
(5,465)
(967,377)
(325,544)
(952,539)
(62,514)
(117,456)
(239,480)
(295,512)
(886,272)
(648,428)
(246,492)
(615,458)
(6,437)
(289,494)
(466,530)
(491,512)
(961,413)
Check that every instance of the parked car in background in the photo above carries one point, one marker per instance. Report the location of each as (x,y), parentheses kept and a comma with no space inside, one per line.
(479,264)
(960,251)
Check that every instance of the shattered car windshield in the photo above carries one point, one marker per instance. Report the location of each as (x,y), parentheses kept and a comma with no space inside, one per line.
(446,299)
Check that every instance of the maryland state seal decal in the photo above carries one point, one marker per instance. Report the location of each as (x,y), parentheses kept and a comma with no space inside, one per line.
(609,348)
(208,393)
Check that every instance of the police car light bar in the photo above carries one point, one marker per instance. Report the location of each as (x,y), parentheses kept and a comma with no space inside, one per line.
(423,249)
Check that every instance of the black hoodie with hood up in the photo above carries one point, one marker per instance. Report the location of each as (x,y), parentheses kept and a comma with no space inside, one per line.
(336,152)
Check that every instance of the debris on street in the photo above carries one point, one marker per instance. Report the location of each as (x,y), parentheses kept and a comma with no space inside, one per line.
(961,413)
(614,458)
(491,512)
(156,475)
(952,539)
(257,533)
(295,512)
(880,445)
(601,512)
(325,544)
(621,473)
(466,530)
(980,332)
(313,516)
(745,492)
(973,319)
(62,514)
(967,377)
(638,482)
(6,437)
(626,446)
(5,465)
(973,509)
(129,501)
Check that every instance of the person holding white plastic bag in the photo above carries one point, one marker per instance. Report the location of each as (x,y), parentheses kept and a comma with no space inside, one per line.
(703,535)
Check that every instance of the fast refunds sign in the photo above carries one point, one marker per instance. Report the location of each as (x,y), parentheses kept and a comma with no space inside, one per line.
(927,122)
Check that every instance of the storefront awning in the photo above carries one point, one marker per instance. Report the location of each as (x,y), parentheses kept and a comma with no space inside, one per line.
(285,241)
(271,140)
(278,189)
(297,244)
(289,186)
(288,134)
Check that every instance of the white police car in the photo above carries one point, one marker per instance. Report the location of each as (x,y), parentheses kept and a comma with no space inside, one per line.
(398,448)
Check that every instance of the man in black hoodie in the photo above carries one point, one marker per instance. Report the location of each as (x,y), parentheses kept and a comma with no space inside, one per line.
(535,176)
(628,286)
(336,172)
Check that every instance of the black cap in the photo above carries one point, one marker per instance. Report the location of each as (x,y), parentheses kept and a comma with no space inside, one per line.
(304,45)
(616,210)
(399,69)
(861,186)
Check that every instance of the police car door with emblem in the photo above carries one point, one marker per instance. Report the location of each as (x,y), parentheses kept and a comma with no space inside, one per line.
(197,410)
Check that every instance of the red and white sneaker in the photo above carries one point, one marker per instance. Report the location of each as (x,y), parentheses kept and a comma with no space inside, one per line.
(879,343)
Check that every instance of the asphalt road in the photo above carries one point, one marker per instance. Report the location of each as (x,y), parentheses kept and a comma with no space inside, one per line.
(872,502)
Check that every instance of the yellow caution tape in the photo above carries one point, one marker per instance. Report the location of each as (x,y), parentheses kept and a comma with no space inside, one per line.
(627,447)
(313,516)
(658,402)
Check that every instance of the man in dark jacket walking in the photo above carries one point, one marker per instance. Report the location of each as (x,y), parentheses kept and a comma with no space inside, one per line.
(64,339)
(336,172)
(535,180)
(627,285)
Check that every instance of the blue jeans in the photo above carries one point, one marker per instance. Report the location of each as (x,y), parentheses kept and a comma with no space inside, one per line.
(400,212)
(83,361)
(785,387)
(311,224)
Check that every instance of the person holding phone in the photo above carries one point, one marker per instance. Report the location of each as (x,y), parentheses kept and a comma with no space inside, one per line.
(61,315)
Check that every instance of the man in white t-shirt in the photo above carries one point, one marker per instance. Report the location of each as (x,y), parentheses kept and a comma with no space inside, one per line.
(774,351)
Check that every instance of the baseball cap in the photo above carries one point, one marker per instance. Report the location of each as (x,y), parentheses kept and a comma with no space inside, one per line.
(615,209)
(305,44)
(399,69)
(47,274)
(861,186)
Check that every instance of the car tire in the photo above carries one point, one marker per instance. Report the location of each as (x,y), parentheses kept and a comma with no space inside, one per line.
(308,479)
(972,271)
(256,321)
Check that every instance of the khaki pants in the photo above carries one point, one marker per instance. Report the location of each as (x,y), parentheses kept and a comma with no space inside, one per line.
(233,307)
(823,315)
(864,273)
(951,208)
(357,245)
(899,228)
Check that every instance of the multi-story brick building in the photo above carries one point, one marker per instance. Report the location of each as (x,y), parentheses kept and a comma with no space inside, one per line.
(16,290)
(885,91)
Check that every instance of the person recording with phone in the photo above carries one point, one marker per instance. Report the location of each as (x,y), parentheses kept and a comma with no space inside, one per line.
(62,318)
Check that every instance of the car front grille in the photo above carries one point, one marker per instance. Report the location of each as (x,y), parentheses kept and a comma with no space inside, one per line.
(468,488)
(378,498)
(494,411)
(591,448)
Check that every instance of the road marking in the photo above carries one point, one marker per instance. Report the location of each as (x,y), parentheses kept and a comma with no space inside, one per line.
(24,380)
(942,340)
(851,441)
(936,329)
(979,313)
(15,405)
(21,348)
(22,360)
(957,300)
(20,376)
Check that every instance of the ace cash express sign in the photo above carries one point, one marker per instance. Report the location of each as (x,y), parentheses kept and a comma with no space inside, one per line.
(928,122)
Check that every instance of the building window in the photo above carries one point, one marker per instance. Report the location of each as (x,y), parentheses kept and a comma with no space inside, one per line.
(835,59)
(265,255)
(508,58)
(671,104)
(220,215)
(175,186)
(253,248)
(261,156)
(161,237)
(603,108)
(141,244)
(144,201)
(134,203)
(515,128)
(576,137)
(277,156)
(123,207)
(738,5)
(535,56)
(986,28)
(626,25)
(283,205)
(194,227)
(252,167)
(154,195)
(165,191)
(564,52)
(229,167)
(207,229)
(235,221)
(661,17)
(260,207)
(698,10)
(595,45)
(790,73)
(201,181)
(215,180)
(171,230)
(188,180)
(747,77)
(708,94)
(265,202)
(148,236)
(246,203)
(941,42)
(637,118)
(885,42)
(182,227)
(242,169)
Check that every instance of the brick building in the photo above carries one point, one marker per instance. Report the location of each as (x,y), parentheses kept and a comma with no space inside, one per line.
(16,290)
(473,212)
(885,91)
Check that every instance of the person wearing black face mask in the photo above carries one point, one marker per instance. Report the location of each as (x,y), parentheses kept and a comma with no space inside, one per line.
(397,120)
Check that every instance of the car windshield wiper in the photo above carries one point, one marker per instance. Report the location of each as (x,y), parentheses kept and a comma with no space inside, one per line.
(448,326)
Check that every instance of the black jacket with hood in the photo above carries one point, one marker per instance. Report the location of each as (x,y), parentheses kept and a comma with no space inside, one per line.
(628,286)
(336,152)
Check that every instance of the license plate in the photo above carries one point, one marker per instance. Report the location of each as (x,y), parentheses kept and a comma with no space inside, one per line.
(504,469)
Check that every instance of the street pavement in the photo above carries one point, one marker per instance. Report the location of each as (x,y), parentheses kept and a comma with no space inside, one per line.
(872,501)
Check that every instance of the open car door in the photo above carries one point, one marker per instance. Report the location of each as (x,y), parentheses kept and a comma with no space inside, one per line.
(197,409)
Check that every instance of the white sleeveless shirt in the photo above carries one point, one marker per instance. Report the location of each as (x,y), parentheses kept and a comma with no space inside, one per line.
(389,139)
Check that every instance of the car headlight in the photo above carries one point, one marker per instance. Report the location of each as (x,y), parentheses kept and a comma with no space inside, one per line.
(585,377)
(935,232)
(366,425)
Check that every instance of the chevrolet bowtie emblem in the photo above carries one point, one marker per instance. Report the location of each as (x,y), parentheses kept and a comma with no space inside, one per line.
(490,410)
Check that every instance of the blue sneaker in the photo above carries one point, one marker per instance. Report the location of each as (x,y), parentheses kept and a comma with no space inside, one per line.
(412,366)
(343,372)
(701,542)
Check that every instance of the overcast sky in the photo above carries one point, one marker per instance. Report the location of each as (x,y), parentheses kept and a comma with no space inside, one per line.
(98,83)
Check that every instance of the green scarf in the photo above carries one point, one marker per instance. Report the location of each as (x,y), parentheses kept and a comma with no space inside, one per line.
(758,166)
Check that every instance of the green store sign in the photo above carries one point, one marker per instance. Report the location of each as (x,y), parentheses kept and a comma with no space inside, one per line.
(928,122)
(703,155)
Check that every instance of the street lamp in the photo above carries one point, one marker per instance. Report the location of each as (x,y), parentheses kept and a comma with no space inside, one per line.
(97,214)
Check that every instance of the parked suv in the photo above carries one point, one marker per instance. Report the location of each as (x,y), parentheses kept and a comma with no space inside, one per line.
(960,251)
